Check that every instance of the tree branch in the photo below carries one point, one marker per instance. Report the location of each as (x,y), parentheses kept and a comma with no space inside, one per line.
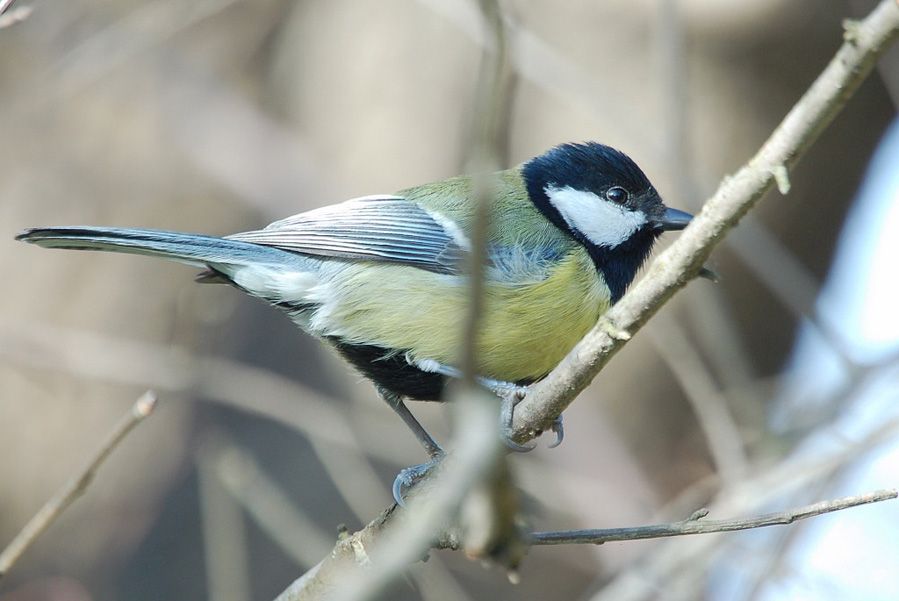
(864,42)
(696,525)
(75,487)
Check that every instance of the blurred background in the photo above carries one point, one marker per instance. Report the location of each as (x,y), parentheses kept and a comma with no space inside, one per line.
(776,387)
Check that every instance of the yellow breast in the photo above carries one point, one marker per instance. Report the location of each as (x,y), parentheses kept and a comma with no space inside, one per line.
(526,328)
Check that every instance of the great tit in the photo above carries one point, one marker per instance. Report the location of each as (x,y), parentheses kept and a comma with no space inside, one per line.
(382,279)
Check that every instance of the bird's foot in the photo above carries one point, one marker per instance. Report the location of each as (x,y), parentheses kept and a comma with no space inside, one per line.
(511,395)
(412,475)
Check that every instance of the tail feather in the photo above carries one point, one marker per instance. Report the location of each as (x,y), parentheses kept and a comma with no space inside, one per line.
(194,249)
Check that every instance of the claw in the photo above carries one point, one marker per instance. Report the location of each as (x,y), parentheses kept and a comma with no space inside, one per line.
(410,476)
(517,447)
(399,484)
(559,430)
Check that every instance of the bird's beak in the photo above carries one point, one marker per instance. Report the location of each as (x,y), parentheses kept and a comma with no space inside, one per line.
(673,220)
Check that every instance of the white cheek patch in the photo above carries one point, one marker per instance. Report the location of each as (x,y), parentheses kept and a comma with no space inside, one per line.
(602,222)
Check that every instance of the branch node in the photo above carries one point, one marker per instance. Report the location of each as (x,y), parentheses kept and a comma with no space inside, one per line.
(698,514)
(359,553)
(851,30)
(707,273)
(615,332)
(145,405)
(781,178)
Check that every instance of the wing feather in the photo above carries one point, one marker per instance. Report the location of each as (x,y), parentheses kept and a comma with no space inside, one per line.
(375,228)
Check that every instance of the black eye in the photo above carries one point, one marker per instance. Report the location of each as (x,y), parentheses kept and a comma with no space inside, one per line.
(617,194)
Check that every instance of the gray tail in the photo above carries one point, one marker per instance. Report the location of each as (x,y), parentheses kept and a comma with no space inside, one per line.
(194,249)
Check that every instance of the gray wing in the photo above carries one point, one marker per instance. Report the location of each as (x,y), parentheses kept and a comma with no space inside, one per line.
(374,228)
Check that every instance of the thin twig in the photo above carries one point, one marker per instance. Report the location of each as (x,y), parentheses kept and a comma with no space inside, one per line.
(736,195)
(703,526)
(483,158)
(75,487)
(673,561)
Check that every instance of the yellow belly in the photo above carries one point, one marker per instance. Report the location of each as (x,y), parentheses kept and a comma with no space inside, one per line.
(526,328)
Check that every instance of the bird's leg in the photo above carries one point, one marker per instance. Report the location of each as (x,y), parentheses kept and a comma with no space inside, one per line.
(510,393)
(409,476)
(427,441)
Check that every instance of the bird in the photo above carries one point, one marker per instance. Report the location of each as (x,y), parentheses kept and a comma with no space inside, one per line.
(382,279)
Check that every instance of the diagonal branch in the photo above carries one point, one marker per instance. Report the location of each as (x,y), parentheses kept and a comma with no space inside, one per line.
(864,42)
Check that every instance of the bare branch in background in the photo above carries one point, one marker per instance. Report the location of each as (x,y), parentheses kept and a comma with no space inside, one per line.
(697,525)
(267,503)
(75,487)
(224,531)
(248,388)
(542,65)
(709,405)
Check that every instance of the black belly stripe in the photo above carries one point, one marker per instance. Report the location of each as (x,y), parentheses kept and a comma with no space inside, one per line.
(390,370)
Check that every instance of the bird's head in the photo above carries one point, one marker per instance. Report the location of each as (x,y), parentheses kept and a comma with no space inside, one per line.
(600,197)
